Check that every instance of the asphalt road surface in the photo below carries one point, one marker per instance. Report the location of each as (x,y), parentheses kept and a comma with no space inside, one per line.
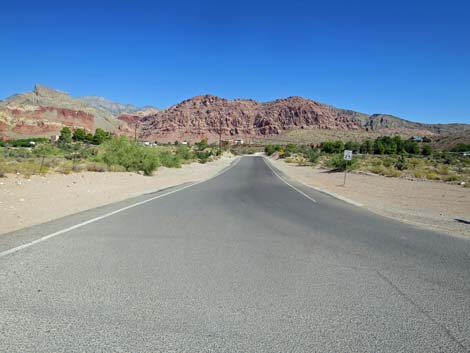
(243,262)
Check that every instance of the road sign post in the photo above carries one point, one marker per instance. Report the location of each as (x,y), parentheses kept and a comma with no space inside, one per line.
(347,156)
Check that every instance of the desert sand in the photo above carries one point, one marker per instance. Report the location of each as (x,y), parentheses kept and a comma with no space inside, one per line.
(26,202)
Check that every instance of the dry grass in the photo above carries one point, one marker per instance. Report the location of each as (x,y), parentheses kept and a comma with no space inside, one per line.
(438,168)
(316,136)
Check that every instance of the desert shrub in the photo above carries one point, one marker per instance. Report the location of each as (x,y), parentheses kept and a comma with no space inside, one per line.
(451,177)
(432,176)
(419,174)
(339,164)
(202,145)
(415,162)
(25,167)
(388,162)
(290,149)
(23,142)
(311,154)
(443,170)
(96,167)
(376,169)
(426,150)
(65,168)
(168,159)
(130,155)
(461,147)
(332,146)
(203,157)
(20,152)
(269,150)
(77,168)
(401,163)
(46,149)
(184,153)
(391,172)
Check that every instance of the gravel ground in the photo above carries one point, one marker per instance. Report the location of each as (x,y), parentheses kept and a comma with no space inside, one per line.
(432,205)
(26,202)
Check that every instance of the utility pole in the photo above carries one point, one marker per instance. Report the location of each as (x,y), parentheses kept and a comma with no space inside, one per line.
(220,132)
(135,130)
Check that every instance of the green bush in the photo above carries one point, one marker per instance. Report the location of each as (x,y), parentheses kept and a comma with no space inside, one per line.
(130,155)
(23,142)
(46,149)
(311,154)
(79,135)
(401,163)
(203,157)
(66,134)
(202,145)
(426,150)
(184,153)
(338,163)
(20,152)
(270,149)
(461,147)
(332,146)
(169,160)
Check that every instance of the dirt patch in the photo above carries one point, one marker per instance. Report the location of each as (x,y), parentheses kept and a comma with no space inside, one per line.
(26,202)
(432,205)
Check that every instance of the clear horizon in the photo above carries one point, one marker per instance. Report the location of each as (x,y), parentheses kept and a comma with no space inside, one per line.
(407,60)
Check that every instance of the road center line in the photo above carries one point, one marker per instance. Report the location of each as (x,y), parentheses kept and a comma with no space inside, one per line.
(49,236)
(293,187)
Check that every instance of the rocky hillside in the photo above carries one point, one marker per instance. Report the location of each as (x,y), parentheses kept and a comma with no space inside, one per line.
(116,108)
(44,111)
(205,116)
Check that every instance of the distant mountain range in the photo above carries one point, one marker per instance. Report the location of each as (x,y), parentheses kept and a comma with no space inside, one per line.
(44,111)
(114,107)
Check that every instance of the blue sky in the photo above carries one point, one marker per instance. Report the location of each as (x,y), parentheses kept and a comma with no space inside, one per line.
(407,58)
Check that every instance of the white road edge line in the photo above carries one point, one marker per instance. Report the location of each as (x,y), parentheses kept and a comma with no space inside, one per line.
(49,236)
(293,187)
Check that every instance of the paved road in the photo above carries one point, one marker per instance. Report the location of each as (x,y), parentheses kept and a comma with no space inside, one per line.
(240,263)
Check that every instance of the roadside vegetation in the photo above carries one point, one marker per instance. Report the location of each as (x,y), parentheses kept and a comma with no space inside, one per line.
(385,155)
(79,150)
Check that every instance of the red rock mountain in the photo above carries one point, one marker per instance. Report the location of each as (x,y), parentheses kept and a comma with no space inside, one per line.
(205,116)
(45,111)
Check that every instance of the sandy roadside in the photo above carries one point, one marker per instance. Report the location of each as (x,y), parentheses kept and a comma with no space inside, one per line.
(431,205)
(26,202)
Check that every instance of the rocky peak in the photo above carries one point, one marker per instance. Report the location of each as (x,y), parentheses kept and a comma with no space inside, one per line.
(44,91)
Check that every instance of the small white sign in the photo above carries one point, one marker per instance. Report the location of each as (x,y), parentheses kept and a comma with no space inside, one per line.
(347,155)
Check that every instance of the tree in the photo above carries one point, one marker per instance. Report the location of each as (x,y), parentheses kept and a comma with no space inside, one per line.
(332,146)
(411,147)
(353,146)
(65,134)
(367,147)
(100,136)
(79,135)
(379,147)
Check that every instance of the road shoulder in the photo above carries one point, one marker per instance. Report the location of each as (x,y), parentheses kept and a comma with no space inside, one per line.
(429,205)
